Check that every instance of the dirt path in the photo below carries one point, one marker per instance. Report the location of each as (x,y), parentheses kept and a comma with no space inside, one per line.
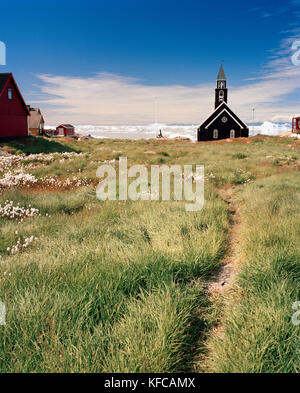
(223,279)
(225,275)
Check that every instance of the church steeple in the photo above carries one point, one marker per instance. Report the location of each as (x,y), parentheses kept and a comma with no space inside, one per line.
(221,75)
(221,90)
(223,122)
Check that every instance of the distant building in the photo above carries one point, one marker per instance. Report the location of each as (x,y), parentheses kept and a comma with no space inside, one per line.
(65,130)
(296,125)
(36,121)
(222,123)
(14,114)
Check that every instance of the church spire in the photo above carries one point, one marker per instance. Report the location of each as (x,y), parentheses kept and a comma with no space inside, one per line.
(221,90)
(221,75)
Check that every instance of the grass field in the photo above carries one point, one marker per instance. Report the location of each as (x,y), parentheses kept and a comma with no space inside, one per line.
(259,334)
(94,286)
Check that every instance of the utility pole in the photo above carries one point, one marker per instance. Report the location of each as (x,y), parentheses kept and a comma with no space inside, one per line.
(155,110)
(253,122)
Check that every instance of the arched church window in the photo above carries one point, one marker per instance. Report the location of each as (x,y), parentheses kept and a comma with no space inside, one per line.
(215,134)
(221,95)
(232,133)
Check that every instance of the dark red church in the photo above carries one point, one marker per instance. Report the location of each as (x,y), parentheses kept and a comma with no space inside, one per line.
(14,114)
(223,123)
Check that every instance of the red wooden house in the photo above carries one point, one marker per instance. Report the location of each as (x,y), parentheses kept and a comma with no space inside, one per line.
(14,114)
(296,125)
(65,130)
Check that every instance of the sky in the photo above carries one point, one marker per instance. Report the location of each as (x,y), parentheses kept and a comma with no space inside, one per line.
(145,61)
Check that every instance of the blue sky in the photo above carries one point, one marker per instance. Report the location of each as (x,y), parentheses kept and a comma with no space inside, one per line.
(107,61)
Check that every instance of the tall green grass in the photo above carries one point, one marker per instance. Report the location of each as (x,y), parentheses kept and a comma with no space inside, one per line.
(118,286)
(259,334)
(107,282)
(35,145)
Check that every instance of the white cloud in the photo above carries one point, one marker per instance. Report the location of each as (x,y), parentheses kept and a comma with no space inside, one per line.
(113,99)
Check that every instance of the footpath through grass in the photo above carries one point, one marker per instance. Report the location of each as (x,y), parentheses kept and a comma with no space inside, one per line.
(259,335)
(118,286)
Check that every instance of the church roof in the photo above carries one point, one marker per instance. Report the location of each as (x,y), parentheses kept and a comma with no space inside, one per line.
(219,112)
(221,75)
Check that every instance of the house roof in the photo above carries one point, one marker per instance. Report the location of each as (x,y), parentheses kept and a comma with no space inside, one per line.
(4,79)
(221,75)
(66,125)
(36,118)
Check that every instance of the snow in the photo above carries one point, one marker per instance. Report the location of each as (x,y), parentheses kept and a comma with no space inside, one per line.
(170,131)
(268,128)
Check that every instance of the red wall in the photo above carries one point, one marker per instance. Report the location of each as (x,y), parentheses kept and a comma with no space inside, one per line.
(67,130)
(13,126)
(13,115)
